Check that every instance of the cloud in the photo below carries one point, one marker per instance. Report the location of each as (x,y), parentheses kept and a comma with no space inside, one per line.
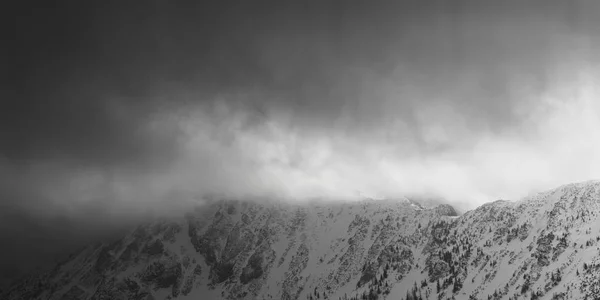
(468,166)
(555,144)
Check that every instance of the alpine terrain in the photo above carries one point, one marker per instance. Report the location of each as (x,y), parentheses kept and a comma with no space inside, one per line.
(545,246)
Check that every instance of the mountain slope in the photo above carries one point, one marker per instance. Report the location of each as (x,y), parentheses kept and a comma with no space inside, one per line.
(544,246)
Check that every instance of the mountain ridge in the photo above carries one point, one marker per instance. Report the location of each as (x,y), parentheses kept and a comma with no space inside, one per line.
(370,249)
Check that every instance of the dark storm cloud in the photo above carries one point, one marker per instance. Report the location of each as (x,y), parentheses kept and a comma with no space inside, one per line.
(381,61)
(112,109)
(88,79)
(82,88)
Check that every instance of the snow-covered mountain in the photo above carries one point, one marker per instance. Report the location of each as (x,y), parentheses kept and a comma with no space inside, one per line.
(545,246)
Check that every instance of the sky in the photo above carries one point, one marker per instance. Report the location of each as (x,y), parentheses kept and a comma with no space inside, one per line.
(117,111)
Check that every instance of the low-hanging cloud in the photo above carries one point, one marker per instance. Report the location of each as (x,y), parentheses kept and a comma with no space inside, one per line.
(553,145)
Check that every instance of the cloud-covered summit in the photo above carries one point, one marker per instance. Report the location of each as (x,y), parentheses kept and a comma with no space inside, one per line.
(121,109)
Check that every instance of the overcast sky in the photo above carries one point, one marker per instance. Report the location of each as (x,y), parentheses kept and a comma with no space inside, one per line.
(114,111)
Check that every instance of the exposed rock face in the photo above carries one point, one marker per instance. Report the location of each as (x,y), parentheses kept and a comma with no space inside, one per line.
(543,247)
(446,210)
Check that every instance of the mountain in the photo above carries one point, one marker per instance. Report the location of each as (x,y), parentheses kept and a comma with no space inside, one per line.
(545,246)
